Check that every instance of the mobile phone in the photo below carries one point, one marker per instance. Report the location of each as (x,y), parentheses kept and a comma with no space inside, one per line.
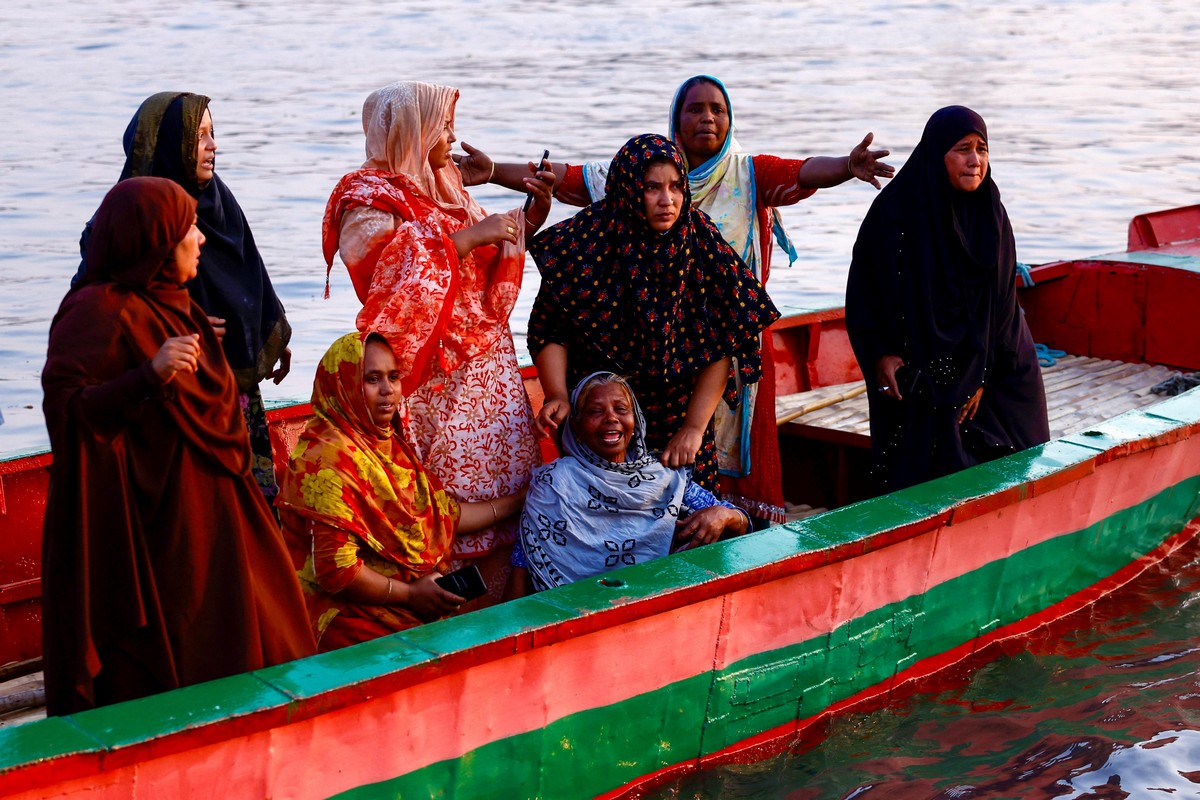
(529,195)
(908,380)
(467,582)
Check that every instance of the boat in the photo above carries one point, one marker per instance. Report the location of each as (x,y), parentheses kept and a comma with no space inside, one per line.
(713,655)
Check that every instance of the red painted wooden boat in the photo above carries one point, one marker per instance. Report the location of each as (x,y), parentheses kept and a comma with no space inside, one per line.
(715,654)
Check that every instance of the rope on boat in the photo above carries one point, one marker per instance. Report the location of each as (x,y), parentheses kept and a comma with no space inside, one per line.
(1025,275)
(1048,357)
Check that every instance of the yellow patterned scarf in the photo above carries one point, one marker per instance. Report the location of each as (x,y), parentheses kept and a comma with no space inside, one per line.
(352,475)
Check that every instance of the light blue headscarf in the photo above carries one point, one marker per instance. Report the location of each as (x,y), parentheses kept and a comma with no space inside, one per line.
(723,186)
(585,515)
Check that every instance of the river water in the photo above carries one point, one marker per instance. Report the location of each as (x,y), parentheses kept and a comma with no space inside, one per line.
(1102,705)
(1092,106)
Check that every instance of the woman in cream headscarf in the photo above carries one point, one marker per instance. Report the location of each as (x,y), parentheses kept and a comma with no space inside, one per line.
(439,279)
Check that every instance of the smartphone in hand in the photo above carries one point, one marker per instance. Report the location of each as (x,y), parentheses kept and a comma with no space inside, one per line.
(467,582)
(529,195)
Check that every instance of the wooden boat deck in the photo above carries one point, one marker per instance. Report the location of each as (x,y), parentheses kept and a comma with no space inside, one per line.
(1080,392)
(22,693)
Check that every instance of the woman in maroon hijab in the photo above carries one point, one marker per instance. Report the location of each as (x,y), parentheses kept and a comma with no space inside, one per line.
(162,564)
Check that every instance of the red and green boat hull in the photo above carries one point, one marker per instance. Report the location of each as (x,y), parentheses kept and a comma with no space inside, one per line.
(593,689)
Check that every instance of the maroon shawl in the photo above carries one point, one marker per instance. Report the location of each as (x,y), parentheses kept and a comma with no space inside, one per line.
(162,565)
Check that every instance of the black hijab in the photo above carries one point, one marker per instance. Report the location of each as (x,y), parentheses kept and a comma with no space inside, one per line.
(232,282)
(932,276)
(656,304)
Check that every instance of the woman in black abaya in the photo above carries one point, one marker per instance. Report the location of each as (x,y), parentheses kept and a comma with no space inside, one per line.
(932,313)
(172,136)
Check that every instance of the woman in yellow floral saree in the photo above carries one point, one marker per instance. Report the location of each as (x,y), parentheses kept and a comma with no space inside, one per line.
(368,527)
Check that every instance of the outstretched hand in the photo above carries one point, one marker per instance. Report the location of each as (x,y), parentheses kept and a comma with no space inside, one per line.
(865,165)
(476,167)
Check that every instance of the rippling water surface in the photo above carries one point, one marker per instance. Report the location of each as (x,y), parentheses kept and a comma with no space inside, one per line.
(1093,112)
(1092,107)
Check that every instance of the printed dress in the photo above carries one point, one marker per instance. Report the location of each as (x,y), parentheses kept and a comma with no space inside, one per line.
(447,318)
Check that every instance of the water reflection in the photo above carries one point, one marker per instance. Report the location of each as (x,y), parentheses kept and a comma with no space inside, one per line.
(1102,704)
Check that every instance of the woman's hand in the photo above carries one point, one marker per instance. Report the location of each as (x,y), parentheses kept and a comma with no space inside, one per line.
(541,186)
(683,447)
(218,326)
(178,354)
(553,412)
(475,167)
(885,376)
(706,525)
(428,600)
(970,407)
(489,230)
(285,366)
(865,165)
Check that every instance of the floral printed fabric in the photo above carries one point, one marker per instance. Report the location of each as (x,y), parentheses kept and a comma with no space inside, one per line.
(473,429)
(431,306)
(657,308)
(466,412)
(371,499)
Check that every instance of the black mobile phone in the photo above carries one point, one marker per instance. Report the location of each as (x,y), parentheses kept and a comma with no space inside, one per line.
(908,380)
(467,582)
(529,195)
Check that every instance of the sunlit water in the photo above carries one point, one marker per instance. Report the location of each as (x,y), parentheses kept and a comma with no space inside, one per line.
(1093,110)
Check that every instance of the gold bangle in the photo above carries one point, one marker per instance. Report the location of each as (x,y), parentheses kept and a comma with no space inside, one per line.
(387,596)
(491,174)
(495,516)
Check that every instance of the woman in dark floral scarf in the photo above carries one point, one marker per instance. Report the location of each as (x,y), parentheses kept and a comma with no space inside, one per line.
(643,284)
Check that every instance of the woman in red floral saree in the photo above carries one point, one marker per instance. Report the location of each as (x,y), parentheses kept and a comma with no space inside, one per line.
(439,279)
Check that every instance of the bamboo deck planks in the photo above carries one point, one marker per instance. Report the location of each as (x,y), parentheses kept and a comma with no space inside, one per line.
(1080,391)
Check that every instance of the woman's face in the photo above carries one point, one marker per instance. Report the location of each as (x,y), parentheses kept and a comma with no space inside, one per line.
(967,163)
(381,382)
(703,123)
(186,255)
(439,156)
(206,150)
(663,193)
(604,421)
